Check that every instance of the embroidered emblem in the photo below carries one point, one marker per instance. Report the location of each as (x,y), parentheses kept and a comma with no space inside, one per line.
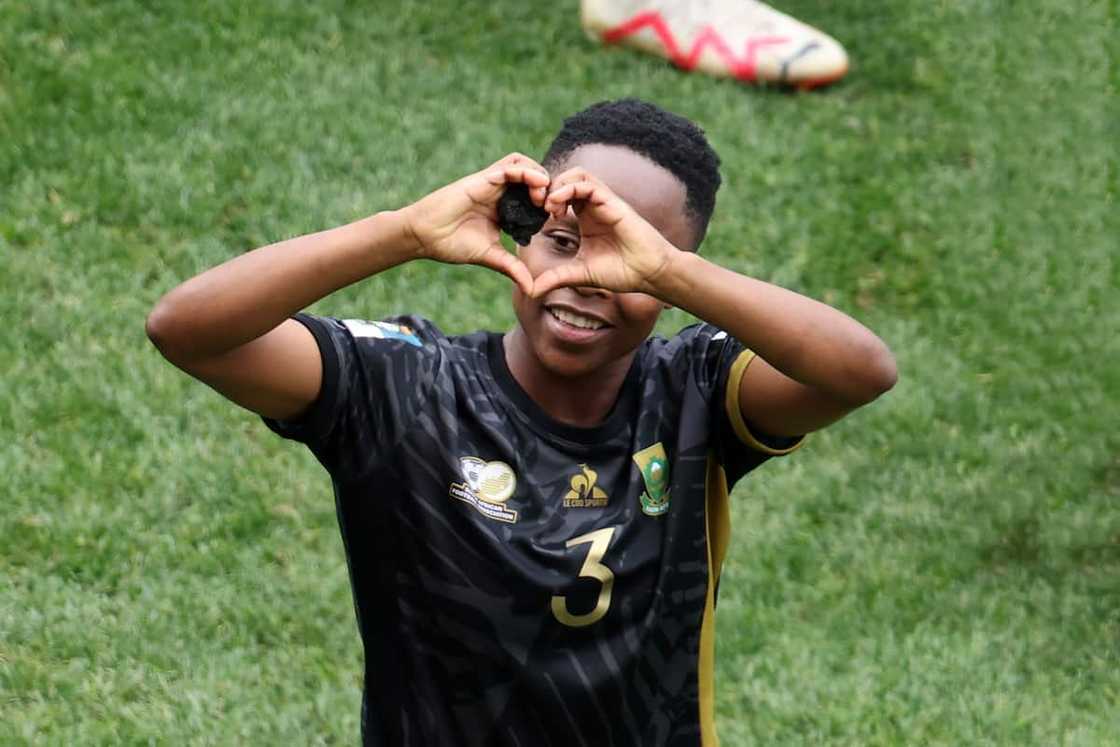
(486,486)
(584,493)
(654,466)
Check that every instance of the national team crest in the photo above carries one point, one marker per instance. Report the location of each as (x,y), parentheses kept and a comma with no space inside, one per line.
(654,466)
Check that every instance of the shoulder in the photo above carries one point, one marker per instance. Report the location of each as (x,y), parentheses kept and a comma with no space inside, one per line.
(697,349)
(370,353)
(416,344)
(397,336)
(689,340)
(406,328)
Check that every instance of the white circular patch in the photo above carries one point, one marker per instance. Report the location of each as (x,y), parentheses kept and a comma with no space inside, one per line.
(496,482)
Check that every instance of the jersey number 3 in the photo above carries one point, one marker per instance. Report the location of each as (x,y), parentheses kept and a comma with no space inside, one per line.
(593,567)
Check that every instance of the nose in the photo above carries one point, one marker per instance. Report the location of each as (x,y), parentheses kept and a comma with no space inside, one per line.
(590,291)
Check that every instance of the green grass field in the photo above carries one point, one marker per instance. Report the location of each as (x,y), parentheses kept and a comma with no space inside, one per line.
(942,568)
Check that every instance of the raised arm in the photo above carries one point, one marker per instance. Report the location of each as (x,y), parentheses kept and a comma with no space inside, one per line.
(813,363)
(230,326)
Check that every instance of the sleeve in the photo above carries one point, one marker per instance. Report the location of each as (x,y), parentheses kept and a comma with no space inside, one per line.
(717,363)
(376,378)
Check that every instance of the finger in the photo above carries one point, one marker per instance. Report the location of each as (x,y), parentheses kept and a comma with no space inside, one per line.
(582,190)
(567,275)
(520,274)
(498,259)
(522,160)
(537,181)
(493,184)
(538,195)
(574,174)
(559,198)
(511,158)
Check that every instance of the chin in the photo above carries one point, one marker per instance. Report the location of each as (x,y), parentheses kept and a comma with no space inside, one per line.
(569,365)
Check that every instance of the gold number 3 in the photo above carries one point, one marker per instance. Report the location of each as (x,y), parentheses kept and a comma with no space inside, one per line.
(593,567)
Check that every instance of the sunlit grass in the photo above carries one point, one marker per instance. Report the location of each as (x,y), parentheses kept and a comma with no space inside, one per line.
(940,569)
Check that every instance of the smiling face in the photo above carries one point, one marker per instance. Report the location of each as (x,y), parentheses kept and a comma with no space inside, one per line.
(574,332)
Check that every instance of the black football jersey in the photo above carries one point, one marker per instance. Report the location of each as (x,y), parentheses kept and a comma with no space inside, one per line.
(519,581)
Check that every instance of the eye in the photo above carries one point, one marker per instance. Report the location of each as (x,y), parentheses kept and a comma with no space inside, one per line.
(564,243)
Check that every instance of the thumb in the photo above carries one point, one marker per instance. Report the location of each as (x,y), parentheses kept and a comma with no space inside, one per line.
(569,274)
(498,259)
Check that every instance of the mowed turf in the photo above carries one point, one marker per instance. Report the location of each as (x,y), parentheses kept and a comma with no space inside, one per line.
(942,568)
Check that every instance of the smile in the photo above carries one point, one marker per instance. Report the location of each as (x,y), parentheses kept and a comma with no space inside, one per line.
(576,320)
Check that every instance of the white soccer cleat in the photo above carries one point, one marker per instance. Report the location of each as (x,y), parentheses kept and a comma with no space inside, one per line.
(742,39)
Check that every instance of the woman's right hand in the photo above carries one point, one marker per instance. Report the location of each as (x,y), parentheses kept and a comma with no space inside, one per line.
(458,224)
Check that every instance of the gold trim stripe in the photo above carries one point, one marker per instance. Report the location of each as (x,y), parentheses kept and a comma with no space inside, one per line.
(718,532)
(735,412)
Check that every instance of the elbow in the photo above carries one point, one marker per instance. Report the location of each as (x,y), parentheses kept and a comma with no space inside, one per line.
(879,373)
(160,327)
(886,376)
(155,326)
(868,373)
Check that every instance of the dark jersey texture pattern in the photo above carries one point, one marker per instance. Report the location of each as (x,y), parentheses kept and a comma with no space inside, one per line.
(519,581)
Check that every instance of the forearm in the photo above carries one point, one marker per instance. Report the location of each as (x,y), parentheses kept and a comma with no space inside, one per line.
(804,339)
(242,299)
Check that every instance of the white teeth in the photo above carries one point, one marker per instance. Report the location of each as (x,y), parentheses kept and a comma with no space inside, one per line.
(575,320)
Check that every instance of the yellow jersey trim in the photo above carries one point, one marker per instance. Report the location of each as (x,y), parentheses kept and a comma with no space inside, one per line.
(718,532)
(735,412)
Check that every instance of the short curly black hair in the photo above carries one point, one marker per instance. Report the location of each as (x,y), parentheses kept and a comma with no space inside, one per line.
(669,140)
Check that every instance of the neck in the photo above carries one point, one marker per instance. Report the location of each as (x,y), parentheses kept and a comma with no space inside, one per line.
(583,400)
